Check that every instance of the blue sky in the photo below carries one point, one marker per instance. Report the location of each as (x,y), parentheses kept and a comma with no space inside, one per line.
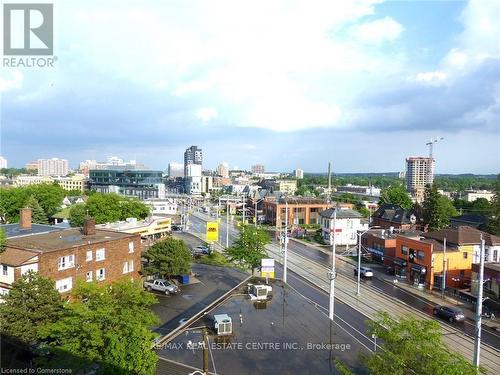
(290,84)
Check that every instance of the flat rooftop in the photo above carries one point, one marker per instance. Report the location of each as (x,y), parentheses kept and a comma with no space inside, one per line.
(63,239)
(287,334)
(14,230)
(131,224)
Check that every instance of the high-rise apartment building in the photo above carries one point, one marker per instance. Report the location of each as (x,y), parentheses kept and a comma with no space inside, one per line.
(299,173)
(419,173)
(223,170)
(52,167)
(3,162)
(258,169)
(192,155)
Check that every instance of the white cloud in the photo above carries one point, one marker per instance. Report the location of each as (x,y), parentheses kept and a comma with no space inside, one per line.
(206,114)
(435,77)
(248,146)
(15,81)
(376,32)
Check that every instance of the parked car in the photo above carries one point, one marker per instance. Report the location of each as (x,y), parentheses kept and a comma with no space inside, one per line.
(200,250)
(452,314)
(162,285)
(176,228)
(365,272)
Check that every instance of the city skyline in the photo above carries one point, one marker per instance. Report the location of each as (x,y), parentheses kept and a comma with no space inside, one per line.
(362,84)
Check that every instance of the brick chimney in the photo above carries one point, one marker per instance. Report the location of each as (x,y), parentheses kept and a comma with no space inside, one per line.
(89,226)
(25,218)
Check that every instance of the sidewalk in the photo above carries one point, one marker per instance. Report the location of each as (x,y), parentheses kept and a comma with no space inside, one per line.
(433,297)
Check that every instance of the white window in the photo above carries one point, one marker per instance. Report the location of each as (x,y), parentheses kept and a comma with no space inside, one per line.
(64,285)
(5,270)
(89,256)
(128,266)
(99,255)
(130,247)
(100,274)
(88,276)
(66,262)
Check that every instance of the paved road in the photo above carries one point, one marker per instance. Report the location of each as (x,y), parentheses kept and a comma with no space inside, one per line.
(373,299)
(489,335)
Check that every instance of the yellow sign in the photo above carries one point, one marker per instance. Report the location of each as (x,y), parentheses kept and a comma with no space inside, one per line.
(212,231)
(267,274)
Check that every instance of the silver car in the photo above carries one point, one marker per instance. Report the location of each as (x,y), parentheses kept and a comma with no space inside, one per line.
(365,272)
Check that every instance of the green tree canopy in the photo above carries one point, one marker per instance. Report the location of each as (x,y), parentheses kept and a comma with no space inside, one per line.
(32,303)
(167,258)
(38,215)
(437,209)
(415,346)
(106,324)
(396,194)
(3,240)
(250,247)
(494,221)
(77,215)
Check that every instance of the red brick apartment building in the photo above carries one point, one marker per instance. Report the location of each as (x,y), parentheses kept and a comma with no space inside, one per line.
(67,255)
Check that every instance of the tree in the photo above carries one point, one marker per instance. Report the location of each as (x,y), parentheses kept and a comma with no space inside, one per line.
(38,215)
(77,215)
(3,240)
(437,209)
(412,344)
(494,221)
(106,208)
(50,196)
(106,324)
(32,303)
(168,257)
(250,247)
(396,194)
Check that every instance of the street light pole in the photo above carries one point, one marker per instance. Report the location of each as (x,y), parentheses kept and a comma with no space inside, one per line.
(443,286)
(479,307)
(331,274)
(227,223)
(358,290)
(285,247)
(243,198)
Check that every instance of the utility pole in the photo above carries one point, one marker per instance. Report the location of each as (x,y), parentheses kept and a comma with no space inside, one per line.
(332,273)
(358,290)
(243,198)
(255,211)
(285,247)
(443,286)
(205,351)
(227,223)
(479,307)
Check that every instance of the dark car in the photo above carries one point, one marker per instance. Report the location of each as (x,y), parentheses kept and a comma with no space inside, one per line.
(176,228)
(452,314)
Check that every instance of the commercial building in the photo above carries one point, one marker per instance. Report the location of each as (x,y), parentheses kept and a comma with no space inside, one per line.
(32,180)
(75,182)
(421,258)
(288,187)
(192,155)
(175,170)
(491,287)
(344,229)
(193,183)
(113,162)
(52,167)
(3,162)
(31,166)
(381,244)
(301,210)
(162,207)
(299,173)
(132,183)
(472,195)
(68,255)
(152,228)
(257,169)
(419,173)
(362,190)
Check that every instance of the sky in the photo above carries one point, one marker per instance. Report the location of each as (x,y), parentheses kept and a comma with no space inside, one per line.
(288,84)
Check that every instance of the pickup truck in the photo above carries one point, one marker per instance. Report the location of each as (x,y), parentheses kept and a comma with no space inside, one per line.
(162,285)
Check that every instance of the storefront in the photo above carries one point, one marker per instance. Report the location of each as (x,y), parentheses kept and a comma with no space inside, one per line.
(400,267)
(417,275)
(377,254)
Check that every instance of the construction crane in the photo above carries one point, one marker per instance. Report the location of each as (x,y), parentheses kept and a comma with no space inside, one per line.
(431,144)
